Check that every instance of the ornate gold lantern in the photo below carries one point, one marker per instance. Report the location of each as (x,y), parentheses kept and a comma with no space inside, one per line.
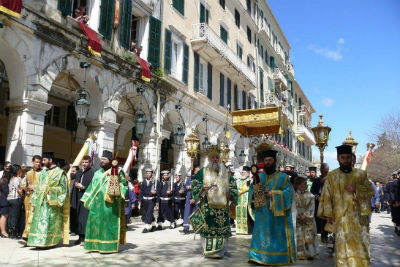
(224,152)
(321,134)
(351,142)
(192,147)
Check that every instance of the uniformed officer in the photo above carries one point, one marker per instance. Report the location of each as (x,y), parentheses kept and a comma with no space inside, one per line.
(148,200)
(179,199)
(164,194)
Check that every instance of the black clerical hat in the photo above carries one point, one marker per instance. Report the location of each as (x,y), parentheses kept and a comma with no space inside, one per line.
(107,154)
(246,168)
(344,149)
(48,155)
(311,169)
(269,153)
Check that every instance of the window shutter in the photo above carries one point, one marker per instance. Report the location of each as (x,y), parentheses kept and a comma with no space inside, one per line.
(223,34)
(272,62)
(153,56)
(209,81)
(266,57)
(65,6)
(126,24)
(236,96)
(196,71)
(244,100)
(222,3)
(202,13)
(207,15)
(185,63)
(221,89)
(106,18)
(167,51)
(229,93)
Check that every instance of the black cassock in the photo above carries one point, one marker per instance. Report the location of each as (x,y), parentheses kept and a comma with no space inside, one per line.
(316,190)
(85,178)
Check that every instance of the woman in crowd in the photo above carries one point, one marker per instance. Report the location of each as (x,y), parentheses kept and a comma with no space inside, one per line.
(4,204)
(15,203)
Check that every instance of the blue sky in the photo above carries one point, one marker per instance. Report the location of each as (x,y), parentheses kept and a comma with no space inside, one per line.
(346,56)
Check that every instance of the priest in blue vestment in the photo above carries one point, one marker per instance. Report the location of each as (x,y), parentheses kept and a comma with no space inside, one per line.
(273,241)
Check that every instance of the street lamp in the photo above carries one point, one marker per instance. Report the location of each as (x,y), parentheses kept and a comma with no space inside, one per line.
(242,157)
(351,142)
(179,136)
(82,104)
(206,144)
(321,134)
(140,121)
(192,147)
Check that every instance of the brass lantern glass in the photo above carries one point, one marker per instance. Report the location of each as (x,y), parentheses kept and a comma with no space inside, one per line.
(321,134)
(192,146)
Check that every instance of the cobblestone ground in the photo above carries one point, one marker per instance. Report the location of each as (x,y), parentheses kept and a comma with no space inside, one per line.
(172,248)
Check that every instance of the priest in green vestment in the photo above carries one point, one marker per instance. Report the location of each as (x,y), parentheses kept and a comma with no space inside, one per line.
(273,240)
(244,212)
(105,227)
(49,221)
(213,187)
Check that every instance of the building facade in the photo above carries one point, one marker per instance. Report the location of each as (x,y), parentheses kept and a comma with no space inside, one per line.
(207,58)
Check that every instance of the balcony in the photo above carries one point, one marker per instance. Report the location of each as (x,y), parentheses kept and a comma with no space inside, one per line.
(306,134)
(272,100)
(266,32)
(144,6)
(280,79)
(213,49)
(290,69)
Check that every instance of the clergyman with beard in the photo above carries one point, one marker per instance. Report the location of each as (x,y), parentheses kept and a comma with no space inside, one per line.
(272,242)
(105,226)
(345,203)
(49,222)
(213,187)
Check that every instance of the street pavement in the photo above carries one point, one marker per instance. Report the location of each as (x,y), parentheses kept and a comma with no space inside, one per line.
(172,248)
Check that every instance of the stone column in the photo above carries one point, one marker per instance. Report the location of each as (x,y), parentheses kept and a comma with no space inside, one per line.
(105,133)
(25,130)
(125,126)
(147,155)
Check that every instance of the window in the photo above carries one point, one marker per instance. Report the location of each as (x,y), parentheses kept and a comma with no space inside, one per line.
(266,57)
(179,5)
(221,89)
(237,18)
(228,93)
(248,34)
(261,85)
(262,19)
(270,85)
(261,51)
(222,3)
(239,50)
(176,56)
(204,13)
(202,79)
(236,96)
(250,62)
(244,99)
(248,4)
(272,62)
(223,34)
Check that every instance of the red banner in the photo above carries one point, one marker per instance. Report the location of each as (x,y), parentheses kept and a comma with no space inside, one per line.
(11,7)
(94,45)
(146,73)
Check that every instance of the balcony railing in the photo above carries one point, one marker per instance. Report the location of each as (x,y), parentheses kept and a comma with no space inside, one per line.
(279,77)
(202,32)
(272,99)
(289,68)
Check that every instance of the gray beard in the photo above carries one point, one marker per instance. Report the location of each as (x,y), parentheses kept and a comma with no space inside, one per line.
(214,167)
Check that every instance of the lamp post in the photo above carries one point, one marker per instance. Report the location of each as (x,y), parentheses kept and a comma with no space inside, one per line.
(179,135)
(321,134)
(82,104)
(192,147)
(351,142)
(140,121)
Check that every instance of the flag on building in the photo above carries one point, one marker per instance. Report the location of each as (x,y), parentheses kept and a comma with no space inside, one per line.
(94,45)
(11,7)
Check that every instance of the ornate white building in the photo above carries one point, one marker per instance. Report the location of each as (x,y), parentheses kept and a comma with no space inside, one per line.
(206,56)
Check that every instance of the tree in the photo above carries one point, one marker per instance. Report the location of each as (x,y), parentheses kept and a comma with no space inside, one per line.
(386,156)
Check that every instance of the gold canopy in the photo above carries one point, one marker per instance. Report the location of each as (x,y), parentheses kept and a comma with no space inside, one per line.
(257,121)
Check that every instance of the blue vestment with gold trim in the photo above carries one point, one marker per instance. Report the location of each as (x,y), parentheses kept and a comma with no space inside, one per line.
(273,242)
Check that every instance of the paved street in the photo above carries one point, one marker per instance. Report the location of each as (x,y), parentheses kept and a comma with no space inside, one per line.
(172,248)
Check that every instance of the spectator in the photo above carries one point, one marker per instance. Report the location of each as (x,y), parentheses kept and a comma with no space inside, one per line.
(80,15)
(375,199)
(3,203)
(15,203)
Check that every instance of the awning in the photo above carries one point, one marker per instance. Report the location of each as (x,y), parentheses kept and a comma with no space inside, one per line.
(94,45)
(11,7)
(146,73)
(257,121)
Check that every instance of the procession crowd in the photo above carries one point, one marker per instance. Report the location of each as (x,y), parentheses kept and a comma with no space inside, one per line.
(284,211)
